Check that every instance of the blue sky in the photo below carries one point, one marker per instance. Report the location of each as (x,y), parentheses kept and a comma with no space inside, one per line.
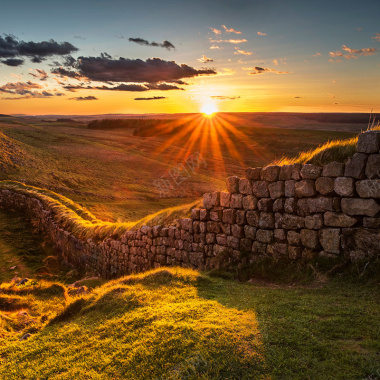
(294,76)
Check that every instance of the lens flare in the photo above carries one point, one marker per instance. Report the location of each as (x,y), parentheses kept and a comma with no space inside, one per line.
(209,109)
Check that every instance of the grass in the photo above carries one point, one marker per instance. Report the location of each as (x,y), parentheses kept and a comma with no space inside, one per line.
(79,221)
(172,323)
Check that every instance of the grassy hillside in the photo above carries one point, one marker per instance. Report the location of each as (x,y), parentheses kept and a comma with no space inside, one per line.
(172,323)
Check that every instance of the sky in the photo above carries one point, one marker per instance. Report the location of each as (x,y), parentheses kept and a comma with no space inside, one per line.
(150,56)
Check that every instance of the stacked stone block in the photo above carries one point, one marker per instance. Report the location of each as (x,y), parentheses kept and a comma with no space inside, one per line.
(292,211)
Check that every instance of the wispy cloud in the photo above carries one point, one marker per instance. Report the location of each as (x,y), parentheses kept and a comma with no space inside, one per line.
(20,88)
(39,74)
(205,59)
(152,98)
(226,71)
(262,70)
(166,44)
(261,34)
(231,41)
(243,52)
(212,47)
(216,31)
(349,53)
(230,30)
(82,98)
(221,97)
(376,37)
(317,54)
(79,37)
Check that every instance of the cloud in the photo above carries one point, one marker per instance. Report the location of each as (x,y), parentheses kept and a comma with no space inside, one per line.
(153,70)
(231,41)
(227,72)
(231,30)
(40,74)
(243,52)
(13,48)
(64,73)
(131,87)
(261,34)
(20,88)
(219,97)
(166,44)
(276,62)
(261,70)
(79,37)
(205,59)
(216,31)
(12,61)
(81,98)
(153,98)
(212,47)
(317,54)
(349,53)
(376,37)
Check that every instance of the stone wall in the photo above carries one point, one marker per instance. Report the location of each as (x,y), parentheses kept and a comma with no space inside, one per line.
(292,211)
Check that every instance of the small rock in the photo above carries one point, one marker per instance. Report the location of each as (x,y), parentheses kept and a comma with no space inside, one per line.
(23,281)
(25,336)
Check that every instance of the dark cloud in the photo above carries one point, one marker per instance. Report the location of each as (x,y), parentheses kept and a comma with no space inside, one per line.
(12,47)
(153,70)
(62,72)
(219,97)
(166,44)
(81,98)
(262,70)
(153,98)
(12,62)
(40,74)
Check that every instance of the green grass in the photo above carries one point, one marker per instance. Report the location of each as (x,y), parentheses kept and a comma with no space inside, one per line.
(169,323)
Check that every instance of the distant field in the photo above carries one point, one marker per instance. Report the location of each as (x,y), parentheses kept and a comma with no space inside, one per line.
(122,177)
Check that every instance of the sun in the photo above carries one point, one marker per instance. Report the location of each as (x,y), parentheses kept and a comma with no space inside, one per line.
(209,109)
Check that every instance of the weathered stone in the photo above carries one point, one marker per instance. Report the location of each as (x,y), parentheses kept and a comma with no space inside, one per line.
(369,142)
(320,204)
(249,202)
(264,236)
(260,189)
(290,205)
(221,239)
(236,201)
(245,245)
(195,214)
(277,249)
(245,186)
(207,200)
(253,218)
(229,216)
(292,222)
(253,173)
(294,252)
(204,214)
(210,238)
(226,228)
(368,188)
(333,169)
(240,217)
(266,220)
(302,207)
(233,242)
(344,186)
(296,173)
(314,222)
(270,173)
(309,239)
(276,189)
(372,169)
(232,184)
(308,254)
(290,189)
(250,232)
(225,199)
(335,219)
(330,239)
(214,227)
(324,185)
(293,238)
(259,248)
(310,171)
(371,223)
(280,235)
(358,206)
(265,204)
(285,172)
(278,205)
(355,166)
(305,188)
(216,215)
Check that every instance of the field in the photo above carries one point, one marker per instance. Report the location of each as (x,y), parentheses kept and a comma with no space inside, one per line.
(121,177)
